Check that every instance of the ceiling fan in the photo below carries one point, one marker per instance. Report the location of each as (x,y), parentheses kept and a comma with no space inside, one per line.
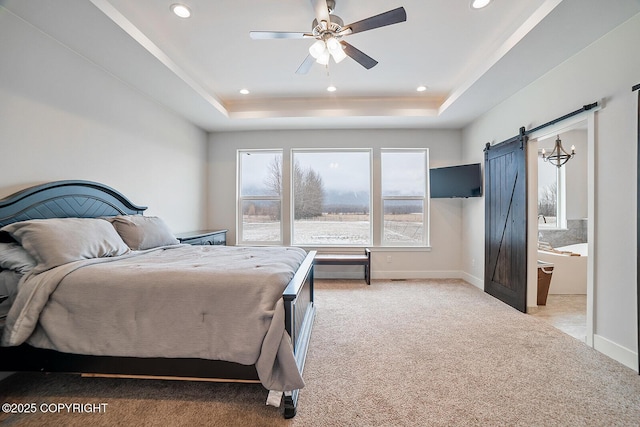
(328,30)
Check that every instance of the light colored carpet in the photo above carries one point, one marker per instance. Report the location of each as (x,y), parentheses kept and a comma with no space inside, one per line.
(396,353)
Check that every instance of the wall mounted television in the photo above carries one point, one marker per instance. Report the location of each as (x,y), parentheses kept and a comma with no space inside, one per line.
(456,181)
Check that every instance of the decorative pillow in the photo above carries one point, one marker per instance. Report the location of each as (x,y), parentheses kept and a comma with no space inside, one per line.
(57,241)
(143,232)
(15,258)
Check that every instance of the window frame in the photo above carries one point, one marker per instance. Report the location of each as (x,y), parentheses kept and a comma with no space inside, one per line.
(561,221)
(292,153)
(426,200)
(561,198)
(376,200)
(240,199)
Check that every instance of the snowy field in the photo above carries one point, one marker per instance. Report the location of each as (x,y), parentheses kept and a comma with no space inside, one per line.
(333,231)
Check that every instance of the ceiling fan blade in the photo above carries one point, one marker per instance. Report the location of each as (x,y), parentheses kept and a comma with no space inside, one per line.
(306,65)
(266,35)
(321,10)
(360,57)
(387,18)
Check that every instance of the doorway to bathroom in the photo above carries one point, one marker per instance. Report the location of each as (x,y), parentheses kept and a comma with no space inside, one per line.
(561,238)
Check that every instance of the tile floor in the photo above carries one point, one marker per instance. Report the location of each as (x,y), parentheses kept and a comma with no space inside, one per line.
(567,313)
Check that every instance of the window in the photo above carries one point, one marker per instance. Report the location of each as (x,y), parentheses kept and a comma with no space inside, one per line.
(331,197)
(260,196)
(404,197)
(551,196)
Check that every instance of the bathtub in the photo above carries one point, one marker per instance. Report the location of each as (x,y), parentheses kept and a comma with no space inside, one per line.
(569,272)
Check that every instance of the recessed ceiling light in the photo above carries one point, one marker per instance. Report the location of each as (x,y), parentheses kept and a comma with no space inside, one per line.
(332,88)
(181,10)
(244,91)
(421,88)
(479,4)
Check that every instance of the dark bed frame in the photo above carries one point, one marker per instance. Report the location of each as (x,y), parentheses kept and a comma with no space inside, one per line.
(86,199)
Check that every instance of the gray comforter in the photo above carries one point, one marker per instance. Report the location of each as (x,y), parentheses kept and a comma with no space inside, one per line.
(219,303)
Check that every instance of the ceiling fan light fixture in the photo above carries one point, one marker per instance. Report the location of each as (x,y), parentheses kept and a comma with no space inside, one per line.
(317,49)
(338,55)
(479,4)
(180,10)
(335,49)
(323,59)
(332,44)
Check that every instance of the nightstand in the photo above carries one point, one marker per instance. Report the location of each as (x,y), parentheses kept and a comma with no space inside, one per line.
(203,237)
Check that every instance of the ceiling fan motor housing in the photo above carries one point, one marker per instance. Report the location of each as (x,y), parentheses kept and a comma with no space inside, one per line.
(333,28)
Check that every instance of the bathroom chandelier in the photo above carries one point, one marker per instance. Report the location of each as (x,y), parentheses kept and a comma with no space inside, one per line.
(558,155)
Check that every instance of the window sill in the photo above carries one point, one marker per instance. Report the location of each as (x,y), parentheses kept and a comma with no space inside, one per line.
(358,249)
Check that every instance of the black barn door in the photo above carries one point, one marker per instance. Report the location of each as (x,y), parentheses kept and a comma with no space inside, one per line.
(505,273)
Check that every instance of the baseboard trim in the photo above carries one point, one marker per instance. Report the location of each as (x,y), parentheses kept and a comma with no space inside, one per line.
(615,351)
(393,275)
(339,275)
(475,281)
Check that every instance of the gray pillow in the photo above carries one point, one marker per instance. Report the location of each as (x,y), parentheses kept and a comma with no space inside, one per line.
(143,232)
(57,241)
(15,258)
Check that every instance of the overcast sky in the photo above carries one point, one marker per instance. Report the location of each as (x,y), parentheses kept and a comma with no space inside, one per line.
(403,172)
(339,170)
(547,174)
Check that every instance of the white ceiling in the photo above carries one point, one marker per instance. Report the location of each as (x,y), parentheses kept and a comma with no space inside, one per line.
(470,60)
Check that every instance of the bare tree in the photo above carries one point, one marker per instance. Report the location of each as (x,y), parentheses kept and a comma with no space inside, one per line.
(308,189)
(273,181)
(547,200)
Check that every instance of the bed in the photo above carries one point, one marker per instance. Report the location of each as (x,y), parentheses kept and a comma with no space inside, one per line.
(113,312)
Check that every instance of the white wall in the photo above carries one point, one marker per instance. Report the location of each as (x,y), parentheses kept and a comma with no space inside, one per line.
(576,174)
(443,260)
(606,70)
(61,117)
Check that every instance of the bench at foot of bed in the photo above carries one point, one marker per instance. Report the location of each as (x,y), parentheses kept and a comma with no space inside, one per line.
(347,259)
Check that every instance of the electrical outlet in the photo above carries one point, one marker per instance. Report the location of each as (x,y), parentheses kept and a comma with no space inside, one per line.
(473,262)
(389,258)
